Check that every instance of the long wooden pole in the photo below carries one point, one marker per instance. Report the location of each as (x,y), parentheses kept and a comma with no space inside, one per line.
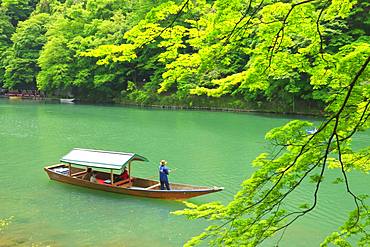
(69,169)
(155,176)
(129,173)
(111,176)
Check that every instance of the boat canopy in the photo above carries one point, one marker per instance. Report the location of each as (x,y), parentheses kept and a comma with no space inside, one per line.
(100,158)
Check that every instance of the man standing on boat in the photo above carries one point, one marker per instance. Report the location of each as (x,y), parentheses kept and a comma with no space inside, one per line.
(163,175)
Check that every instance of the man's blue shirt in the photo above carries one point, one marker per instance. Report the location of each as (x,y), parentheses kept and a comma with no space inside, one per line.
(163,173)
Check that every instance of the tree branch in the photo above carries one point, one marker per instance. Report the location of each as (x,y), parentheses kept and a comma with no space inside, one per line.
(281,30)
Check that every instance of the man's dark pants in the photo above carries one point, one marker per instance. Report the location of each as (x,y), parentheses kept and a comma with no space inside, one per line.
(165,183)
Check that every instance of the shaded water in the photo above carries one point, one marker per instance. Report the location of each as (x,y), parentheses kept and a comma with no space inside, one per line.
(205,148)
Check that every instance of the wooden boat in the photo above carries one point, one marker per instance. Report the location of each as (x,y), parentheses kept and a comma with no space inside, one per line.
(67,101)
(25,94)
(74,166)
(15,97)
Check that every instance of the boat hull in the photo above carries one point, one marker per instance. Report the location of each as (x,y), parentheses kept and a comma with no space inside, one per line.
(180,191)
(67,101)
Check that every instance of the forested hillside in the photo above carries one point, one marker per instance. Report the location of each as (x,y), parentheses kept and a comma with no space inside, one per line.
(226,53)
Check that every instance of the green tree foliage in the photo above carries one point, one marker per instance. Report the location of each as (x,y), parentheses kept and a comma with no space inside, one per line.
(11,12)
(6,30)
(28,40)
(80,26)
(181,48)
(215,49)
(18,10)
(50,51)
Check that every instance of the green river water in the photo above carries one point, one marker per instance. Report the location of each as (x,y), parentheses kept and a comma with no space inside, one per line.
(205,148)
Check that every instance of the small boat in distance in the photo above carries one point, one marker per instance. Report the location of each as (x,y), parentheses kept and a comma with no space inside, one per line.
(74,166)
(67,101)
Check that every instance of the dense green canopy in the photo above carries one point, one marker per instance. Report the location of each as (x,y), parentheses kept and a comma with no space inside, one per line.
(178,52)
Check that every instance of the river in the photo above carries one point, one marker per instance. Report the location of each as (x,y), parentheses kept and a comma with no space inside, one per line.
(205,148)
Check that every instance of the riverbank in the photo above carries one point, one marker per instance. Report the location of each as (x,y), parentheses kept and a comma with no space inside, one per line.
(317,112)
(228,104)
(301,108)
(297,107)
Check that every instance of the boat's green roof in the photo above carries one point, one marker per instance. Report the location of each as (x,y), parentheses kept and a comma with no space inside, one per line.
(100,158)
